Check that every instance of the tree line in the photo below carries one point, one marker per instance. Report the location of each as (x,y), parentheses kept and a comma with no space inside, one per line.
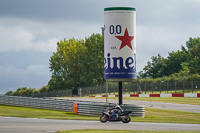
(180,65)
(79,63)
(28,92)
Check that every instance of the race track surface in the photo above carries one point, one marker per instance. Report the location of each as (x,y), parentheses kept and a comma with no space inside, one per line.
(34,125)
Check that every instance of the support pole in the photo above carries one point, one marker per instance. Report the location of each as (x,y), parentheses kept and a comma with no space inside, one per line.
(120,93)
(106,92)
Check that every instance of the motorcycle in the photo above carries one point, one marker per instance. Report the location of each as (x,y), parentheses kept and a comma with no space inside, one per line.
(110,115)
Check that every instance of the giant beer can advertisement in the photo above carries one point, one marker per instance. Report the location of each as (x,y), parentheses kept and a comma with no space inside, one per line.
(119,44)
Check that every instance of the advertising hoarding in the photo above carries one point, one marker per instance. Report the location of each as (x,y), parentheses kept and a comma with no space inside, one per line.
(119,44)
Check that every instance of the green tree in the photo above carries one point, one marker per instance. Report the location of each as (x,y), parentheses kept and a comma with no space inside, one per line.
(65,64)
(94,60)
(154,68)
(174,61)
(77,63)
(9,93)
(186,60)
(193,50)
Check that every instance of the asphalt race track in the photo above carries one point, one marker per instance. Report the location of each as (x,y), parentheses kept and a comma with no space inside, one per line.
(34,125)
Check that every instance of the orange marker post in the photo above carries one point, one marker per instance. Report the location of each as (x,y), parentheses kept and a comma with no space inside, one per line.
(75,108)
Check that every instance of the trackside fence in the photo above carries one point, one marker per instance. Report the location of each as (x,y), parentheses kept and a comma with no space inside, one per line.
(84,107)
(162,87)
(144,88)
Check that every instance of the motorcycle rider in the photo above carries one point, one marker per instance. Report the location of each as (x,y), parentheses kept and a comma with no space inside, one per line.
(117,110)
(115,113)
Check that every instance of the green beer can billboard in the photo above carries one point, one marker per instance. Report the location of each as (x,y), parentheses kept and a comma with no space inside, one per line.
(120,44)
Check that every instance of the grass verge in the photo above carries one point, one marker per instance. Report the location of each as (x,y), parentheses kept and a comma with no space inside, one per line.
(12,111)
(169,116)
(151,115)
(180,100)
(117,131)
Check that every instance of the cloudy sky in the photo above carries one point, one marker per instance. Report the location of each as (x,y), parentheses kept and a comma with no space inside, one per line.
(29,30)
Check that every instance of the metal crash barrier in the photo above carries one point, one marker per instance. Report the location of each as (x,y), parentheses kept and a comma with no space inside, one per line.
(78,107)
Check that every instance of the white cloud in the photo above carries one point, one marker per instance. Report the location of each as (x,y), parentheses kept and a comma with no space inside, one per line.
(46,46)
(21,34)
(14,39)
(18,39)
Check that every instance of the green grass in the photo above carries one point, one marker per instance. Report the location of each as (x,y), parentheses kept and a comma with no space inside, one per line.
(180,100)
(41,113)
(151,115)
(168,116)
(117,131)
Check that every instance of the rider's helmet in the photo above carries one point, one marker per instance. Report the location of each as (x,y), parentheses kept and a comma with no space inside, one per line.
(116,106)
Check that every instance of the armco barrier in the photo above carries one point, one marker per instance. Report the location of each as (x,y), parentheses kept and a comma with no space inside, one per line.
(43,103)
(96,109)
(83,107)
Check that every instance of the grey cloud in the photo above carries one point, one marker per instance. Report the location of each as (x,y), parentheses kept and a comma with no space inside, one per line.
(51,10)
(32,77)
(162,26)
(23,59)
(26,68)
(156,12)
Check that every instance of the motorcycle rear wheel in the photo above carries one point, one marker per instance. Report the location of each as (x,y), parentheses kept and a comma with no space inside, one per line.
(126,119)
(104,118)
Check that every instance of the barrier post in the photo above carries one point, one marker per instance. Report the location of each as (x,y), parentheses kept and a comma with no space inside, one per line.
(75,108)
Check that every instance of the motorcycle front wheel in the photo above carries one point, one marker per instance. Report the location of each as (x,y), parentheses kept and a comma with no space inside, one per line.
(104,118)
(126,119)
